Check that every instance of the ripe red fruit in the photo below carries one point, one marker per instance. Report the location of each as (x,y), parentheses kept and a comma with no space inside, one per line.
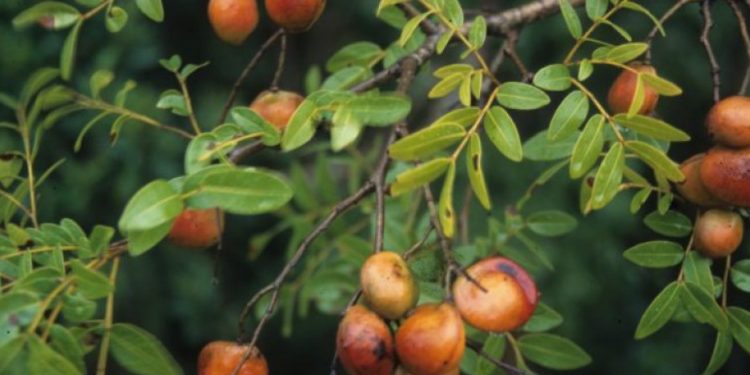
(623,89)
(388,286)
(222,357)
(431,341)
(233,20)
(718,233)
(295,15)
(364,343)
(693,189)
(509,301)
(277,107)
(726,174)
(729,122)
(197,228)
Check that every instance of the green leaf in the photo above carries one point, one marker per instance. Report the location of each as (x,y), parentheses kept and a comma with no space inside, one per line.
(652,127)
(478,32)
(475,171)
(44,360)
(697,270)
(419,175)
(655,254)
(62,15)
(452,69)
(588,147)
(721,352)
(494,347)
(100,238)
(670,224)
(444,40)
(657,160)
(608,177)
(426,142)
(571,18)
(63,341)
(381,110)
(596,8)
(446,213)
(518,95)
(659,312)
(172,64)
(359,54)
(661,85)
(10,352)
(739,320)
(585,69)
(554,77)
(568,116)
(155,204)
(345,129)
(140,352)
(301,127)
(503,133)
(239,191)
(153,9)
(67,55)
(626,52)
(91,284)
(741,275)
(251,122)
(116,19)
(196,150)
(551,223)
(447,85)
(702,306)
(540,148)
(462,116)
(552,351)
(411,27)
(16,301)
(544,318)
(38,80)
(454,11)
(345,78)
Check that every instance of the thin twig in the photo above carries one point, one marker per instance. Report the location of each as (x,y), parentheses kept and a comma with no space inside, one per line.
(477,347)
(280,65)
(101,367)
(666,16)
(188,103)
(245,72)
(734,4)
(708,23)
(510,49)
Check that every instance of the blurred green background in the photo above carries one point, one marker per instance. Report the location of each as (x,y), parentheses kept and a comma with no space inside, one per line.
(171,291)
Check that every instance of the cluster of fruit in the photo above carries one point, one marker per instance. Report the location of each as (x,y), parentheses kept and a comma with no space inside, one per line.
(720,178)
(716,180)
(497,296)
(234,20)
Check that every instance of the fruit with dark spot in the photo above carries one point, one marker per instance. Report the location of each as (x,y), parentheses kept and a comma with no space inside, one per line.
(726,175)
(277,107)
(718,233)
(222,357)
(233,20)
(388,286)
(431,341)
(728,122)
(197,228)
(295,15)
(693,189)
(507,301)
(364,343)
(623,90)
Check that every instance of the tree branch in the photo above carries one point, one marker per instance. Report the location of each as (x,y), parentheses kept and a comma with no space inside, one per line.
(734,4)
(708,23)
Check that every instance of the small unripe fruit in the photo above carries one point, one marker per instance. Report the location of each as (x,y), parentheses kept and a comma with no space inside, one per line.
(222,357)
(509,298)
(623,89)
(388,286)
(729,122)
(295,15)
(693,189)
(431,341)
(364,343)
(718,233)
(197,228)
(277,107)
(726,175)
(233,20)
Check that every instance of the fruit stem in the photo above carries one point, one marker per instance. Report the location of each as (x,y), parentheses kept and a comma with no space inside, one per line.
(592,28)
(727,267)
(280,66)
